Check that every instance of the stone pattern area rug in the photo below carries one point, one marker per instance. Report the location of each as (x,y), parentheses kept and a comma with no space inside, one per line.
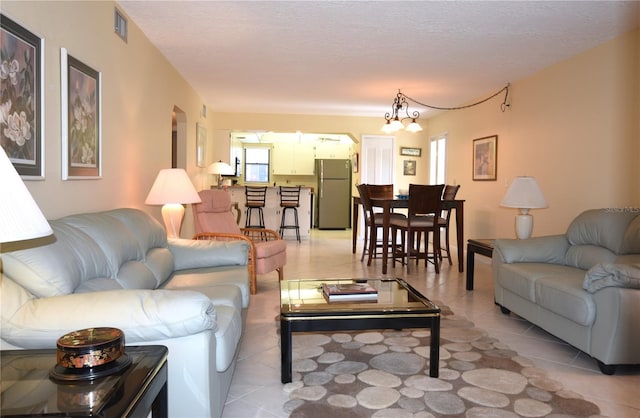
(386,374)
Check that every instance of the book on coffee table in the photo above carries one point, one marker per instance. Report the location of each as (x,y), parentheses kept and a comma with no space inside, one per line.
(349,291)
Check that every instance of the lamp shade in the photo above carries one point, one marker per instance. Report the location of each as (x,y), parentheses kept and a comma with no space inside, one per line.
(524,193)
(20,217)
(172,186)
(220,168)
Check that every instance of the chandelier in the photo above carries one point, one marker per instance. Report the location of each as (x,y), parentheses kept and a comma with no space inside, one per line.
(400,111)
(395,119)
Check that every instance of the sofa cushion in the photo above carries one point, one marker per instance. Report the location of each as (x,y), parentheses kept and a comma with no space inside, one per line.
(114,238)
(266,249)
(631,242)
(210,277)
(601,227)
(60,267)
(564,296)
(151,315)
(521,278)
(586,256)
(612,275)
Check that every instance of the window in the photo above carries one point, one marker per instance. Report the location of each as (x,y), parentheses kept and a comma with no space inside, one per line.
(437,159)
(256,165)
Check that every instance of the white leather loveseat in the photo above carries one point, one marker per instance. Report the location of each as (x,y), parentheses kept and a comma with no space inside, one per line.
(116,269)
(582,286)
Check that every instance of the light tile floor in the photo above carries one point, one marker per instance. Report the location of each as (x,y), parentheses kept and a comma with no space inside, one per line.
(256,390)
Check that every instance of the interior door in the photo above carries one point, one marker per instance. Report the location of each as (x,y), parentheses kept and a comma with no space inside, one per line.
(377,162)
(377,159)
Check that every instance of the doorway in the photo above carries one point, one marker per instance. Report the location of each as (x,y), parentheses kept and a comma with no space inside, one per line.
(178,138)
(377,159)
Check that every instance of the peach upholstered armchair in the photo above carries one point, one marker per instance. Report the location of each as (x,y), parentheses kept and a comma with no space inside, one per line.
(214,220)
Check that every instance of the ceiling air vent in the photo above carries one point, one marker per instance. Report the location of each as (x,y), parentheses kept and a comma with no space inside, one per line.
(120,25)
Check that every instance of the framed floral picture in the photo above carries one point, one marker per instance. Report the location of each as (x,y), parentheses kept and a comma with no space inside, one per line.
(81,119)
(485,158)
(21,98)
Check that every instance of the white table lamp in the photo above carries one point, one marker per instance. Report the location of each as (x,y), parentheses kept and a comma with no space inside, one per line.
(20,216)
(171,189)
(219,168)
(524,194)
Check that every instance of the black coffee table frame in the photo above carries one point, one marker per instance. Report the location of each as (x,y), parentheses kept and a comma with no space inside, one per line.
(368,316)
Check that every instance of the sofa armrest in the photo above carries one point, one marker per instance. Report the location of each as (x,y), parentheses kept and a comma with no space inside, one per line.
(143,315)
(549,249)
(188,253)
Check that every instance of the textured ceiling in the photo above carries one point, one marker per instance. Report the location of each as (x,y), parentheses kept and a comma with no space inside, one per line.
(351,57)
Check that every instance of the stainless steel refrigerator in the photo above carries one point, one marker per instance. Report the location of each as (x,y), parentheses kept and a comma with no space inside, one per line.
(334,194)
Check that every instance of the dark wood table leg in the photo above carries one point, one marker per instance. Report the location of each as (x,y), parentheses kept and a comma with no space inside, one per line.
(385,235)
(460,235)
(354,225)
(285,351)
(434,351)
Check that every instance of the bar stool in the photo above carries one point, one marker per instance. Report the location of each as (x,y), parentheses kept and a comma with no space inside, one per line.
(290,199)
(256,197)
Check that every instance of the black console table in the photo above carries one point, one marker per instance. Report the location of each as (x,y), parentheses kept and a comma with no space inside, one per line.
(137,391)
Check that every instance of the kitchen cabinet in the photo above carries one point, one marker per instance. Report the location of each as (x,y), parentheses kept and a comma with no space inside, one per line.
(292,159)
(332,150)
(273,211)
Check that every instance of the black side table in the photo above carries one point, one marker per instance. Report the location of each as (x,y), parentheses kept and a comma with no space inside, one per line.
(480,246)
(28,391)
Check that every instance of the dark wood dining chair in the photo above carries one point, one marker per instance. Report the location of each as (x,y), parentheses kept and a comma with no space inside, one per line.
(423,217)
(373,220)
(449,193)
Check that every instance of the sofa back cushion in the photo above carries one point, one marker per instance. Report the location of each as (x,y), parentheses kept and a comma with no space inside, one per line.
(60,267)
(598,236)
(123,248)
(631,243)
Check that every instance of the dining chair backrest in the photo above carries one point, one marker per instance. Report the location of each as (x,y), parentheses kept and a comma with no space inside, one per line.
(424,199)
(380,191)
(365,199)
(450,192)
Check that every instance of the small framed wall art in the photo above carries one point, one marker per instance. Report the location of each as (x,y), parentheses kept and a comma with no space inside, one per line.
(81,93)
(21,98)
(485,158)
(409,167)
(411,152)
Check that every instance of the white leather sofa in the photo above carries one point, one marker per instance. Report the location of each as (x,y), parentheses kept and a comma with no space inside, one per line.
(116,269)
(582,286)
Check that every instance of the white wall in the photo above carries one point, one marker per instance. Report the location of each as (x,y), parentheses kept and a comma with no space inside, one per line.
(573,126)
(139,91)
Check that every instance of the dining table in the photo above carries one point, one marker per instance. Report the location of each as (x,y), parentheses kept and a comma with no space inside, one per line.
(387,205)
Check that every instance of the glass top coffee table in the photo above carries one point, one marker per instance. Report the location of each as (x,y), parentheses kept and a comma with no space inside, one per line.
(303,308)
